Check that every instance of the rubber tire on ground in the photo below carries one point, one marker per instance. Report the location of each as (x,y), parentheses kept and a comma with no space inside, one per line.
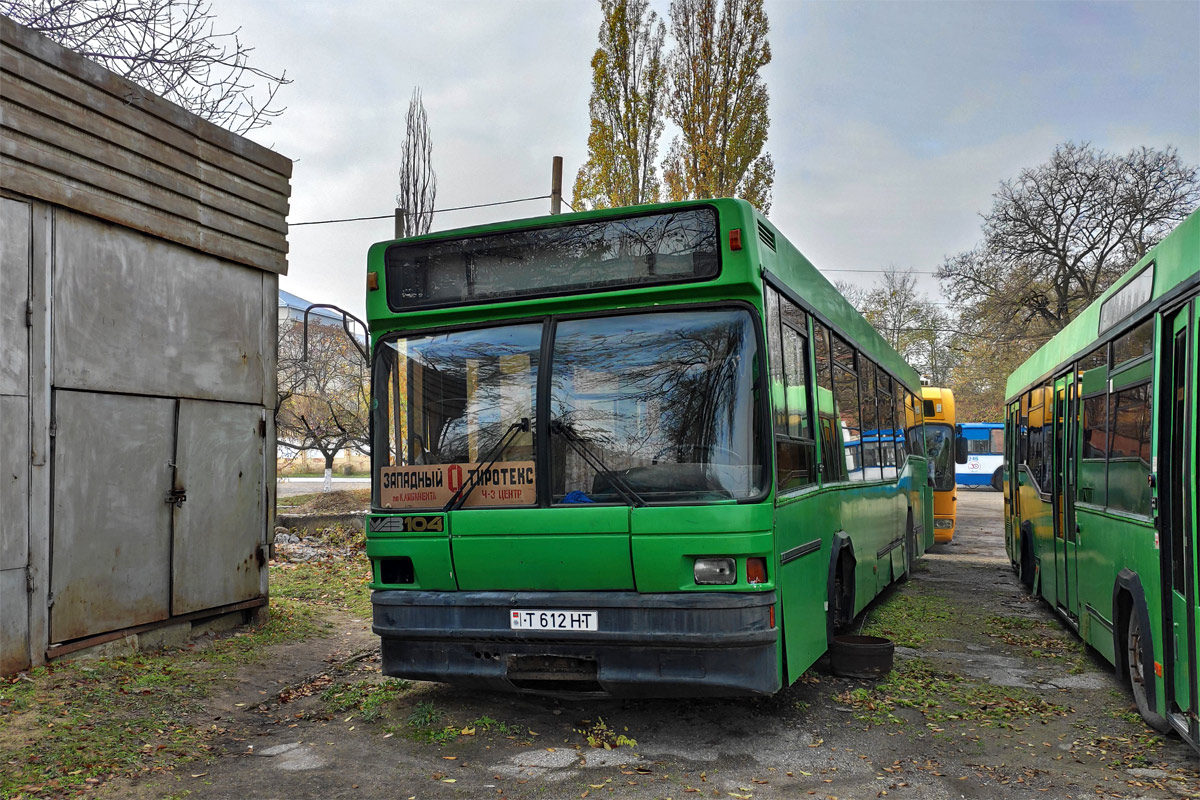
(1136,673)
(838,601)
(998,480)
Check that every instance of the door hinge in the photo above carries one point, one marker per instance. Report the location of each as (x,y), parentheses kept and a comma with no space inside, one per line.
(175,497)
(30,585)
(53,428)
(28,313)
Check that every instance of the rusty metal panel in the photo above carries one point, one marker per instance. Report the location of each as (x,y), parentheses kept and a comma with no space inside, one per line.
(140,315)
(220,527)
(110,539)
(14,296)
(14,482)
(14,622)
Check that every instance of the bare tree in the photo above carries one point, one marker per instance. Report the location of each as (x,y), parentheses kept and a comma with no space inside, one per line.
(911,323)
(170,47)
(1063,231)
(323,401)
(418,181)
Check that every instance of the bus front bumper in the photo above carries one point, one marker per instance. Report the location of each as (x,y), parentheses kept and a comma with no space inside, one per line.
(686,644)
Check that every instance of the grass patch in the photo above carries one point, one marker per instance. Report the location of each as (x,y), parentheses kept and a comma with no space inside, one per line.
(942,698)
(369,697)
(341,584)
(69,726)
(907,619)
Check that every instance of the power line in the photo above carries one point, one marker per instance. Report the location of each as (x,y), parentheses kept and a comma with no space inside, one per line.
(902,272)
(420,213)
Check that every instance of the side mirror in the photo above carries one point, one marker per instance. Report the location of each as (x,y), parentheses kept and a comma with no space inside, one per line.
(960,446)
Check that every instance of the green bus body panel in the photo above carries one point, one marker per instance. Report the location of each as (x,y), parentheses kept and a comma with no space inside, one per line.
(432,568)
(698,520)
(665,562)
(542,548)
(573,561)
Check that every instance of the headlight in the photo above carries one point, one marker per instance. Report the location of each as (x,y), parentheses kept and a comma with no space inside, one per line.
(710,571)
(943,523)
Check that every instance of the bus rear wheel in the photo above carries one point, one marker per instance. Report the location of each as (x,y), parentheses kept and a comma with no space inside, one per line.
(1136,672)
(998,479)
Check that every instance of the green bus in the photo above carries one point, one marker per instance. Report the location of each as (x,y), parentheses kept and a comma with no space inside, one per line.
(619,452)
(1100,454)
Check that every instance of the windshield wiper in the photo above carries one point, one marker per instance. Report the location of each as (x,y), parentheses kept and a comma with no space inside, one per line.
(579,445)
(464,491)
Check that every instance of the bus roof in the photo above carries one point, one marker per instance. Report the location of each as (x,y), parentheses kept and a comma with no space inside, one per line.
(1176,262)
(765,247)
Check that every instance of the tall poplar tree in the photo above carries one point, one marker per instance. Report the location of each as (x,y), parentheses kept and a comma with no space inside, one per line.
(626,108)
(418,181)
(718,98)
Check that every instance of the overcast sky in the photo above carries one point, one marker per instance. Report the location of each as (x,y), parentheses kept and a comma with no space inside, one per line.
(892,123)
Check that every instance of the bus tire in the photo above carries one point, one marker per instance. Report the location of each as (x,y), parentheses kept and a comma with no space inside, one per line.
(998,479)
(841,603)
(1136,672)
(1026,567)
(910,549)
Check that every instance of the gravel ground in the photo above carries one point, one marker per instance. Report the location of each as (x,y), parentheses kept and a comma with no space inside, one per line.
(997,700)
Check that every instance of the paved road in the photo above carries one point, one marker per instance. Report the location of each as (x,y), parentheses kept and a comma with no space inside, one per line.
(287,487)
(998,702)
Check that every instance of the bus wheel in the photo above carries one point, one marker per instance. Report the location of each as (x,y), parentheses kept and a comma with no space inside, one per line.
(910,549)
(1138,680)
(998,479)
(841,605)
(1026,565)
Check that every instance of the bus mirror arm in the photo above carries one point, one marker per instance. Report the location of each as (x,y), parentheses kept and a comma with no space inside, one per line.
(346,317)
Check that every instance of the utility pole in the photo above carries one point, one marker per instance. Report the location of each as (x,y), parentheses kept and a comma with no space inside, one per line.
(556,186)
(399,222)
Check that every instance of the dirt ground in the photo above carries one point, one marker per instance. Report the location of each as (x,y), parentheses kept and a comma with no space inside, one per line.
(996,701)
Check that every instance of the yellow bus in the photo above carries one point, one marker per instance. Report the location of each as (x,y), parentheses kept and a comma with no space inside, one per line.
(940,447)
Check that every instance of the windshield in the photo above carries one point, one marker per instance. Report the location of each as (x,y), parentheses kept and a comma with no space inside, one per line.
(644,408)
(665,401)
(939,447)
(456,399)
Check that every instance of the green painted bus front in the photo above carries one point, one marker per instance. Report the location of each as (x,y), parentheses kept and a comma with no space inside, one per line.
(1102,477)
(447,582)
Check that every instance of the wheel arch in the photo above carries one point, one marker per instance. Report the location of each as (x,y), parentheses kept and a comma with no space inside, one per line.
(1129,599)
(841,552)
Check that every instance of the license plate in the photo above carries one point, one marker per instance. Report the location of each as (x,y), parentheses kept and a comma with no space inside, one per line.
(528,619)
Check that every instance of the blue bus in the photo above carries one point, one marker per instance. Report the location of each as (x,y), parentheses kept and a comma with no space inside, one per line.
(985,455)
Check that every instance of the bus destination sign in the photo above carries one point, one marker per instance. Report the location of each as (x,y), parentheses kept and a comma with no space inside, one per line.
(509,483)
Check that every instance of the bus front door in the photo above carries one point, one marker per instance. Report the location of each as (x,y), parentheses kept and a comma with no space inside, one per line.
(1063,493)
(1178,487)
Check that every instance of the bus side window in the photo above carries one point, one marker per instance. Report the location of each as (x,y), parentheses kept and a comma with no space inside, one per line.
(833,466)
(845,392)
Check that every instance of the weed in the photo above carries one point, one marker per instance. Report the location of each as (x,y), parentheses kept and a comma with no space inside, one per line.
(424,715)
(369,697)
(599,734)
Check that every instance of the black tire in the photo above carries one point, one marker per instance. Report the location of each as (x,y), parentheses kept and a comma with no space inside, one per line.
(841,607)
(1025,567)
(998,479)
(910,549)
(1137,675)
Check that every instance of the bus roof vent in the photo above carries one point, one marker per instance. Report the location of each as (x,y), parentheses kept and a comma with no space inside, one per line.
(766,235)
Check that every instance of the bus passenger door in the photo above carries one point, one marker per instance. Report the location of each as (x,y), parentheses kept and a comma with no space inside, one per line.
(1063,493)
(1177,515)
